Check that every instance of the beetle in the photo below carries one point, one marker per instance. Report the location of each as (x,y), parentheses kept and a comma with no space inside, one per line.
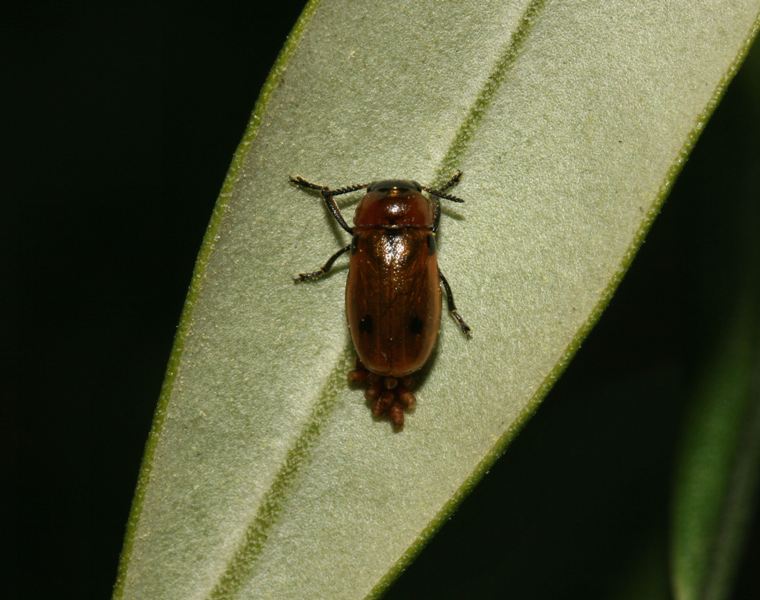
(393,290)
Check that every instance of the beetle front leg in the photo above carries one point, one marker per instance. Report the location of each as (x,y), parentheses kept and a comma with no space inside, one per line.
(322,271)
(453,308)
(440,193)
(328,197)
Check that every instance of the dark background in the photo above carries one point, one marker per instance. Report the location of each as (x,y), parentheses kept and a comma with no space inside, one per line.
(125,123)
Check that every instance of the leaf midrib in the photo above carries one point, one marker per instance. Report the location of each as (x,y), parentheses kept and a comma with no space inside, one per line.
(275,495)
(255,536)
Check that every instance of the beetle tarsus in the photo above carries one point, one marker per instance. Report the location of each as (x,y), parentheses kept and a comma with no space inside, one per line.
(323,270)
(462,325)
(313,276)
(453,307)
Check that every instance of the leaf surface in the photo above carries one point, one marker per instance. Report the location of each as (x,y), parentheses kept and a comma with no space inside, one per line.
(265,475)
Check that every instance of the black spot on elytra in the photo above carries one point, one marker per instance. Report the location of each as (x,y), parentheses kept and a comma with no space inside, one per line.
(365,324)
(415,325)
(354,245)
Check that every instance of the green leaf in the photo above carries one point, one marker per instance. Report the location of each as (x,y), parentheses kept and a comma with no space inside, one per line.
(642,575)
(264,474)
(718,469)
(717,477)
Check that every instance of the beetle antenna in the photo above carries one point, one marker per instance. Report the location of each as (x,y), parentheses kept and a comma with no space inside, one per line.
(301,182)
(348,188)
(439,194)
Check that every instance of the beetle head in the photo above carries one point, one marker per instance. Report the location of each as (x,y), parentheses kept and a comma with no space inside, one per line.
(390,186)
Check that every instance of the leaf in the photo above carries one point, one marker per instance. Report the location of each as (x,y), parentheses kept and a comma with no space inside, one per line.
(718,469)
(264,474)
(717,478)
(581,492)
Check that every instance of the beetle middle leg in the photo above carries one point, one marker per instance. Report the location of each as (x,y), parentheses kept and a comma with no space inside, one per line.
(453,308)
(323,270)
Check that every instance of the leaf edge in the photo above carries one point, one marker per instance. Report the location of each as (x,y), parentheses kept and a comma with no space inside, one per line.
(503,442)
(196,285)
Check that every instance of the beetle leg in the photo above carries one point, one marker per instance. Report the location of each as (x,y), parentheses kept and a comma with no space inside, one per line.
(322,271)
(440,193)
(328,197)
(453,308)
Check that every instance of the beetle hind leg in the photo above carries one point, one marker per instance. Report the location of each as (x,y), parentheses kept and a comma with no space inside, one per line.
(453,307)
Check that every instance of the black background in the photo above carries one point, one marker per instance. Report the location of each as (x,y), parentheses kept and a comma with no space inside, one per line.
(126,121)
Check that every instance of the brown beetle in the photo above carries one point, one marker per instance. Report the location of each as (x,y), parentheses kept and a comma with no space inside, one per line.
(393,293)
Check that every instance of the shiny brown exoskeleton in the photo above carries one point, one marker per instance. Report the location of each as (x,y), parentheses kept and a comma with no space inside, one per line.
(393,292)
